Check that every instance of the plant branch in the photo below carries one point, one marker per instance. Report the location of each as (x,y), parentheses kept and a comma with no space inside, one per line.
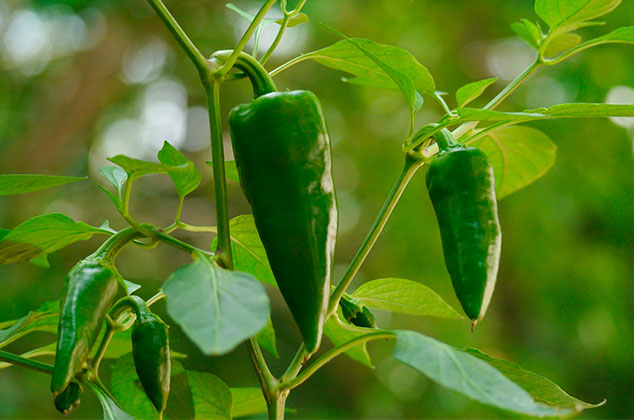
(228,65)
(14,359)
(410,168)
(181,37)
(333,353)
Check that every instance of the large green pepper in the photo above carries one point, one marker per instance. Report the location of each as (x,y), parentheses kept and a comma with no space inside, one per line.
(282,151)
(89,290)
(462,190)
(151,353)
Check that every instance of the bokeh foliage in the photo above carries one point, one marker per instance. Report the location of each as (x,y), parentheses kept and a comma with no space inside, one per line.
(89,79)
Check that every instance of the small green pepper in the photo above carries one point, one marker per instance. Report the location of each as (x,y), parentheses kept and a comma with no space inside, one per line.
(69,398)
(89,290)
(282,152)
(462,190)
(151,353)
(356,313)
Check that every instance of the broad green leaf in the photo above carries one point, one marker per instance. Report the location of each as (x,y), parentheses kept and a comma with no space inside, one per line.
(266,339)
(212,397)
(541,389)
(136,168)
(562,13)
(561,43)
(186,181)
(519,156)
(22,183)
(467,375)
(216,308)
(4,232)
(247,402)
(111,410)
(345,56)
(43,235)
(528,31)
(472,91)
(339,333)
(405,297)
(402,80)
(248,251)
(128,391)
(231,170)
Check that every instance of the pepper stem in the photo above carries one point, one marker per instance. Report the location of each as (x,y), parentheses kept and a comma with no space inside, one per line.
(445,140)
(259,77)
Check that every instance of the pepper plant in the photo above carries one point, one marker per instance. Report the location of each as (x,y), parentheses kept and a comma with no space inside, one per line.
(283,162)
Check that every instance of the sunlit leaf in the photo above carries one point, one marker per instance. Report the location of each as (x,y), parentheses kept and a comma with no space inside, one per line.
(216,308)
(519,156)
(404,296)
(339,333)
(212,398)
(247,402)
(472,91)
(187,180)
(467,375)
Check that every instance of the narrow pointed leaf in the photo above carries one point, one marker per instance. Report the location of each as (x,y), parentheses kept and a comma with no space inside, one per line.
(472,91)
(21,183)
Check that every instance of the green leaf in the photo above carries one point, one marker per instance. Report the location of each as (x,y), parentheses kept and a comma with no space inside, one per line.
(541,389)
(115,175)
(467,375)
(405,297)
(402,80)
(519,156)
(557,111)
(128,391)
(247,402)
(247,249)
(22,183)
(563,13)
(216,308)
(44,319)
(212,397)
(4,232)
(136,168)
(298,19)
(346,56)
(41,261)
(43,235)
(132,287)
(231,170)
(561,43)
(528,31)
(623,35)
(266,339)
(339,333)
(472,91)
(186,180)
(111,410)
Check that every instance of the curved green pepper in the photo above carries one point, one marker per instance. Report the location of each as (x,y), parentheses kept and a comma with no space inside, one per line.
(282,151)
(151,353)
(68,399)
(462,190)
(89,290)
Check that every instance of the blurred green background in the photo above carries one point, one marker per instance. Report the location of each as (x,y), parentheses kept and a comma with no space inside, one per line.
(81,80)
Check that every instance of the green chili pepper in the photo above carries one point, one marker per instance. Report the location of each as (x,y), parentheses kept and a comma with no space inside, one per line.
(282,151)
(89,290)
(151,353)
(462,190)
(356,313)
(68,399)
